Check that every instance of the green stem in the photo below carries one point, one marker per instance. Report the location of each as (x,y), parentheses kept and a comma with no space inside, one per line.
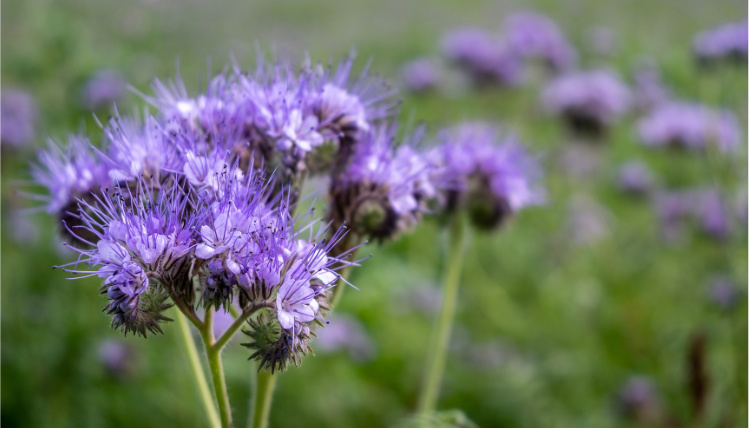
(435,365)
(217,369)
(263,396)
(235,326)
(338,289)
(197,369)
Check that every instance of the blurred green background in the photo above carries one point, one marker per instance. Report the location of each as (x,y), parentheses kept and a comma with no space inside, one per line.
(548,328)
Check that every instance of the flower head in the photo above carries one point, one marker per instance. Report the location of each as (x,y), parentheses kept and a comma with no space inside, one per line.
(690,126)
(491,175)
(485,57)
(533,35)
(728,41)
(589,102)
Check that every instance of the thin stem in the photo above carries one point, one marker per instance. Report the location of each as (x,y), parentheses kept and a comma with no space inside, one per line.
(340,286)
(437,356)
(217,369)
(197,369)
(188,312)
(236,325)
(263,397)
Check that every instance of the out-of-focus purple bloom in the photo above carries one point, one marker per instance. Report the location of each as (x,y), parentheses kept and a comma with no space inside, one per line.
(690,126)
(116,357)
(18,116)
(637,399)
(70,174)
(103,90)
(728,41)
(345,333)
(485,57)
(420,75)
(674,208)
(587,221)
(425,298)
(713,213)
(385,188)
(649,90)
(535,36)
(635,178)
(589,102)
(724,292)
(602,40)
(490,174)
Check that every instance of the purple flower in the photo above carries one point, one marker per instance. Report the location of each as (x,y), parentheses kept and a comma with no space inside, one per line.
(637,399)
(490,174)
(635,178)
(713,213)
(535,36)
(68,175)
(673,208)
(690,126)
(724,292)
(589,102)
(116,357)
(483,56)
(347,334)
(728,41)
(104,89)
(385,188)
(18,115)
(649,90)
(420,75)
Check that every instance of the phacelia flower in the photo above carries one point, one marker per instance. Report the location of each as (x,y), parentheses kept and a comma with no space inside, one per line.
(420,75)
(728,41)
(385,188)
(589,102)
(489,174)
(635,178)
(18,114)
(690,126)
(103,90)
(485,57)
(649,91)
(535,36)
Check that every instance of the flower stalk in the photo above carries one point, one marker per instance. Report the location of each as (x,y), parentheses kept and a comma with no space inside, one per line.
(437,356)
(265,385)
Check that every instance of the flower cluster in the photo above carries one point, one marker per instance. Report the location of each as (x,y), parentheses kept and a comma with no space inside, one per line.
(728,41)
(690,126)
(589,102)
(490,175)
(178,208)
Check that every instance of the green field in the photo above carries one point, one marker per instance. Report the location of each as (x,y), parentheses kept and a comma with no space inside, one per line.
(549,327)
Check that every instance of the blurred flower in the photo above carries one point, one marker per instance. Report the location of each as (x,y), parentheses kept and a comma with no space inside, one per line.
(635,178)
(587,221)
(483,56)
(345,333)
(713,213)
(103,90)
(724,292)
(535,36)
(638,400)
(18,116)
(491,175)
(649,90)
(690,126)
(420,75)
(674,208)
(117,357)
(425,298)
(589,102)
(728,41)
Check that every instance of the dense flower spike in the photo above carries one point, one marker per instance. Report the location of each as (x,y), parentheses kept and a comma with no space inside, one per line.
(690,126)
(728,41)
(490,175)
(385,188)
(589,102)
